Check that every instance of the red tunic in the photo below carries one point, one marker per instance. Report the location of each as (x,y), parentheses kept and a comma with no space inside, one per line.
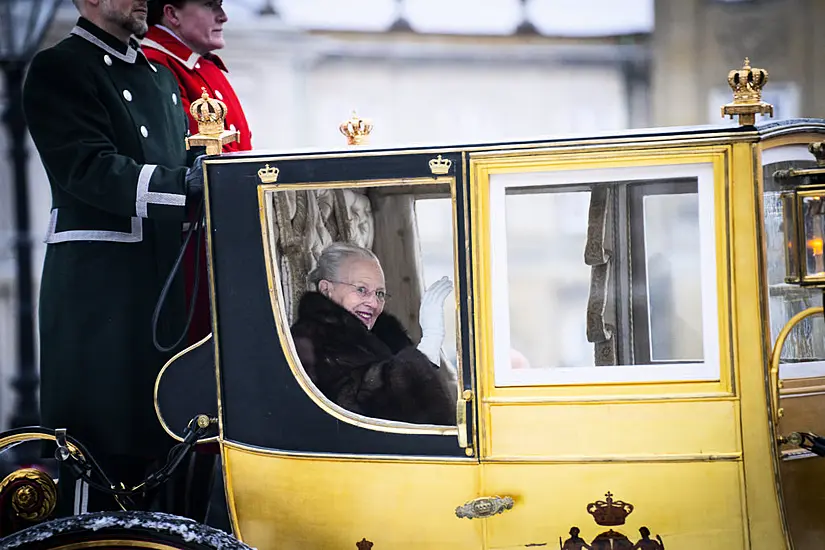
(193,72)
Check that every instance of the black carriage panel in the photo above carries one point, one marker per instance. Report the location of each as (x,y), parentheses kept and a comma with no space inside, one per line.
(262,400)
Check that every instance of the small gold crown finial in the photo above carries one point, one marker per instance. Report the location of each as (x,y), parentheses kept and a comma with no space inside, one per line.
(747,84)
(439,166)
(209,113)
(268,175)
(356,129)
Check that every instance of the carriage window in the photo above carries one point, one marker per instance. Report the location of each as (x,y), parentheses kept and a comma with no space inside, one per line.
(604,280)
(803,355)
(349,268)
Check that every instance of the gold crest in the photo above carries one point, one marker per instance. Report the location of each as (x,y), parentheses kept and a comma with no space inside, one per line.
(440,166)
(268,175)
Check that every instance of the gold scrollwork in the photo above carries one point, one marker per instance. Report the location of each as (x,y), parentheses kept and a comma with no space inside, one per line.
(484,507)
(34,493)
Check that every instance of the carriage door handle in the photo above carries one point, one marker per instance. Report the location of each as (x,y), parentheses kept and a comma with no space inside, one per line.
(484,507)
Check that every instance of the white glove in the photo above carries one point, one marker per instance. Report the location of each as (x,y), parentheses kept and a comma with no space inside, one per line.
(431,319)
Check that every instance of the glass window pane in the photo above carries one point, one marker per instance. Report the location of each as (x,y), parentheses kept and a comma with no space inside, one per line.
(602,278)
(673,266)
(547,278)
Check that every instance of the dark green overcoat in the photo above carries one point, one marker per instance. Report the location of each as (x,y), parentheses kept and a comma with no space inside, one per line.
(110,131)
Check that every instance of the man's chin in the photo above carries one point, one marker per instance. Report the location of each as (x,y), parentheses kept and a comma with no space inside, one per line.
(139,29)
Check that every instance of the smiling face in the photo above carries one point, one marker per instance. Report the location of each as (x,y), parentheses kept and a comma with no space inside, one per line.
(198,23)
(357,282)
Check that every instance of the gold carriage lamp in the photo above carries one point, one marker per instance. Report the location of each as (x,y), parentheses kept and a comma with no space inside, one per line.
(747,84)
(210,115)
(803,214)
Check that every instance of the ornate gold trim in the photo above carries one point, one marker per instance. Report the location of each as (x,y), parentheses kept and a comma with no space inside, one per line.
(610,399)
(573,145)
(776,358)
(338,457)
(28,436)
(162,422)
(468,262)
(114,543)
(789,139)
(25,497)
(276,297)
(611,459)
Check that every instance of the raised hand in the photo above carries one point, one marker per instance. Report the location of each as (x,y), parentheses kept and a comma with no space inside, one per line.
(431,318)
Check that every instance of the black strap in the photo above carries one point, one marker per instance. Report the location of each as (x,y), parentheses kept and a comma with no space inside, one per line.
(196,226)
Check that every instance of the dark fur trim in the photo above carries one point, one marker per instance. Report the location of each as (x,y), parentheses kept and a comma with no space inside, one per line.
(376,373)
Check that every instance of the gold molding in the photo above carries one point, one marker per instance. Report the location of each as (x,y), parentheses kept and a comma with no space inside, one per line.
(563,144)
(343,457)
(287,345)
(610,399)
(609,459)
(23,493)
(790,139)
(29,436)
(160,418)
(115,543)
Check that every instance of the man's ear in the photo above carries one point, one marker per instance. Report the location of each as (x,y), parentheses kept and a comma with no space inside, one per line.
(170,15)
(324,287)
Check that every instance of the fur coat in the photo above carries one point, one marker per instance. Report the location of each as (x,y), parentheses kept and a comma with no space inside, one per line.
(377,373)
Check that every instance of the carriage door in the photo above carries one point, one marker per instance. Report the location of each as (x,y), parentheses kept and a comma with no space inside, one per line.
(802,363)
(606,408)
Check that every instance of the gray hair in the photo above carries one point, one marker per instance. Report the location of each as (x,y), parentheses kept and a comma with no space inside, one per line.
(333,257)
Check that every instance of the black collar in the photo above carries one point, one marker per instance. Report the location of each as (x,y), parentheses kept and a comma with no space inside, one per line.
(87,30)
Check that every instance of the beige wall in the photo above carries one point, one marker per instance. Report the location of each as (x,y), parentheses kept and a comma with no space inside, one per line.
(696,43)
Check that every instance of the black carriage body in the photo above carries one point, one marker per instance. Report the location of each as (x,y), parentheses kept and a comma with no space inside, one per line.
(261,401)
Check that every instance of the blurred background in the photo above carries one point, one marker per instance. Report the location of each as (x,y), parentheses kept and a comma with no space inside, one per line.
(436,71)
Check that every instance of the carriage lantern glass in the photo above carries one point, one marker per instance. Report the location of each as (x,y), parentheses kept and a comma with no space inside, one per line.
(803,206)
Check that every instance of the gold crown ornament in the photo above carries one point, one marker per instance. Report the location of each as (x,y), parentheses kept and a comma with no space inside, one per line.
(356,129)
(747,84)
(268,175)
(210,114)
(440,166)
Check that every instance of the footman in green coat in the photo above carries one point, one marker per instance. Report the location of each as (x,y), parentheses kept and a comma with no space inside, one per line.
(110,131)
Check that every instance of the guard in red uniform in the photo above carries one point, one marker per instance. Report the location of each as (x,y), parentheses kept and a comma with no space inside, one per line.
(182,36)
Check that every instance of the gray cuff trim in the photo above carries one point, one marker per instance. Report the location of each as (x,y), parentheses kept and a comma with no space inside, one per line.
(144,197)
(53,237)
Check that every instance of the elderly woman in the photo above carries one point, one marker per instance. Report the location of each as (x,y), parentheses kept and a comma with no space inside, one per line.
(360,357)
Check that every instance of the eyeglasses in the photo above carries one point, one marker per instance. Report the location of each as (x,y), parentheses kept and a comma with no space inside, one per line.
(364,292)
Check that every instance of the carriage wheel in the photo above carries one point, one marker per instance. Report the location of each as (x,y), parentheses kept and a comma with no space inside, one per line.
(122,530)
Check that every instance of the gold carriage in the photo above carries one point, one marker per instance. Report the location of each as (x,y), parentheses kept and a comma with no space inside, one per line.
(617,301)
